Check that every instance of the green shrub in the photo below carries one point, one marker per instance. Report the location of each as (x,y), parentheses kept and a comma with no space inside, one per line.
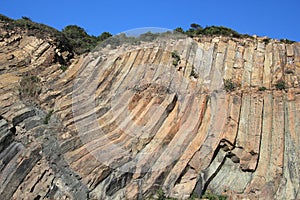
(191,32)
(5,19)
(220,30)
(280,85)
(247,36)
(118,40)
(80,40)
(104,36)
(73,31)
(161,195)
(148,36)
(48,116)
(197,30)
(289,71)
(209,195)
(229,85)
(193,197)
(196,26)
(26,18)
(71,38)
(176,58)
(38,30)
(286,41)
(179,30)
(263,88)
(266,40)
(63,68)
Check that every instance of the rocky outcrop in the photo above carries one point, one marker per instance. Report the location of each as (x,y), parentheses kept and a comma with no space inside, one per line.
(127,122)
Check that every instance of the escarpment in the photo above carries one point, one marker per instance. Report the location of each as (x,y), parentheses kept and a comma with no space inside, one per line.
(179,115)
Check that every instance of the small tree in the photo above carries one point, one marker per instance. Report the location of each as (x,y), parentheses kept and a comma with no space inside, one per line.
(179,30)
(26,18)
(266,40)
(79,39)
(286,41)
(74,32)
(104,36)
(196,26)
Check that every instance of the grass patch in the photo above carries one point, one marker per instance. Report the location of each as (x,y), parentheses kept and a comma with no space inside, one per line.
(30,87)
(209,195)
(160,195)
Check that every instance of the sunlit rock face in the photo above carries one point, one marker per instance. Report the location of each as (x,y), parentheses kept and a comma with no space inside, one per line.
(175,114)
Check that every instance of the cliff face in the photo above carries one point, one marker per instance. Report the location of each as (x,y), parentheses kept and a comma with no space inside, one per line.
(123,123)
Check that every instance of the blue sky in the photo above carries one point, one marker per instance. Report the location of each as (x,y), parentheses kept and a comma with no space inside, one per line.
(274,18)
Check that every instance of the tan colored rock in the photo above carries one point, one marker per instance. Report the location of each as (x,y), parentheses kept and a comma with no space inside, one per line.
(268,65)
(136,124)
(258,66)
(289,50)
(230,59)
(248,58)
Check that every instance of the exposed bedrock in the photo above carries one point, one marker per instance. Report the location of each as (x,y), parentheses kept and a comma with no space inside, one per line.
(124,123)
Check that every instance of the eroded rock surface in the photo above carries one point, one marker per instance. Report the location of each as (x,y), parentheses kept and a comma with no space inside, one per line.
(127,122)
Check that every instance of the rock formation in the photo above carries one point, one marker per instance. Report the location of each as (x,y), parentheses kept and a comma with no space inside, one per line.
(124,123)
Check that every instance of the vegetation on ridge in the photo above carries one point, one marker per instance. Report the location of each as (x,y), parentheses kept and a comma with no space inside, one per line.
(72,37)
(198,30)
(80,40)
(37,29)
(75,38)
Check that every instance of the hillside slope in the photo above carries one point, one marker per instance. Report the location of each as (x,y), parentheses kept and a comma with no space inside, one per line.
(182,116)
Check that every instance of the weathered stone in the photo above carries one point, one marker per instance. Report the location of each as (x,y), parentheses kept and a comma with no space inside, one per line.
(6,136)
(248,58)
(22,114)
(126,122)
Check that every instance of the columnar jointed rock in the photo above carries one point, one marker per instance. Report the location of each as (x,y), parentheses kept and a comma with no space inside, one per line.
(127,122)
